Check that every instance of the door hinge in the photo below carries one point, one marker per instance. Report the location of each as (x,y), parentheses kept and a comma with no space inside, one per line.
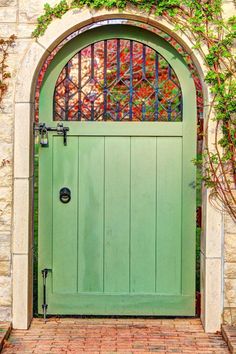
(45,305)
(43,132)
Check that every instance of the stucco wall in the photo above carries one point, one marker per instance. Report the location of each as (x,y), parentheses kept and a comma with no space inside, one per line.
(19,17)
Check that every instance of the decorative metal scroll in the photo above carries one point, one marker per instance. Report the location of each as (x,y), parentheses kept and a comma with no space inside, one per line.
(117,80)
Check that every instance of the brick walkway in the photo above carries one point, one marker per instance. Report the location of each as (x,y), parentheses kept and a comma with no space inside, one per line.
(114,335)
(5,329)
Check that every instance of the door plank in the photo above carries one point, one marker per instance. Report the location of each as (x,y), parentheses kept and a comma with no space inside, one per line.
(131,304)
(65,174)
(117,218)
(143,214)
(169,215)
(91,214)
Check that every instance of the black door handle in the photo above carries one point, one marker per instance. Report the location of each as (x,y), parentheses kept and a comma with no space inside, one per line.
(65,195)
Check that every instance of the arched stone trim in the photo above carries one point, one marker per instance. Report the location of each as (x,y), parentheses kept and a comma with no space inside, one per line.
(211,245)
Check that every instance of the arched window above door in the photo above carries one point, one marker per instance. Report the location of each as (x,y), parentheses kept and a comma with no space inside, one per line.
(117,80)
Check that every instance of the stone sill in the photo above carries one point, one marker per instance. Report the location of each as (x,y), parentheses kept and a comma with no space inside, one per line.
(229,335)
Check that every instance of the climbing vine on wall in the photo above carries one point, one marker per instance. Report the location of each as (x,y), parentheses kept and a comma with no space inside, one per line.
(214,37)
(5,45)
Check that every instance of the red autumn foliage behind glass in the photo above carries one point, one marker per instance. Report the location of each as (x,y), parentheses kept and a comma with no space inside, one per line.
(118,80)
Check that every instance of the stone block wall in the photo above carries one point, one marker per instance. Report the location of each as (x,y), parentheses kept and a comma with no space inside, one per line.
(229,271)
(19,17)
(7,14)
(16,17)
(229,315)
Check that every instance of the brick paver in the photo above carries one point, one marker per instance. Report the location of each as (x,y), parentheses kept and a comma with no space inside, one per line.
(97,335)
(5,329)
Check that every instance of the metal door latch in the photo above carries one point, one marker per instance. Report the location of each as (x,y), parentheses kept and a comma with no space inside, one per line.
(45,305)
(43,131)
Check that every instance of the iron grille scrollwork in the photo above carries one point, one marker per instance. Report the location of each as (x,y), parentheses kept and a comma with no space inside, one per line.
(117,80)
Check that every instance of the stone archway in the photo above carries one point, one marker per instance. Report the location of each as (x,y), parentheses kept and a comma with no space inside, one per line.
(211,247)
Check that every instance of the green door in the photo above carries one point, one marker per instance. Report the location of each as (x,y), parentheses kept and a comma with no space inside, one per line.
(125,242)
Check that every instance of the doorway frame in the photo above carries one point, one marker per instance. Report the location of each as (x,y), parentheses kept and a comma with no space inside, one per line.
(22,245)
(182,303)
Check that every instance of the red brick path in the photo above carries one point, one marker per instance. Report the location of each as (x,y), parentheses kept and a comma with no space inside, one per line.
(114,335)
(5,329)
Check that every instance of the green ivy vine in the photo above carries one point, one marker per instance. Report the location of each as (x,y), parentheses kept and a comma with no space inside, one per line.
(214,37)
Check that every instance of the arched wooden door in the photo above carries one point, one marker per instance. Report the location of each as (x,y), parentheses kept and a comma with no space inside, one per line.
(124,244)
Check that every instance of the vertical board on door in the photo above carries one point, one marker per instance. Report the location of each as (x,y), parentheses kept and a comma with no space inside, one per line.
(90,214)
